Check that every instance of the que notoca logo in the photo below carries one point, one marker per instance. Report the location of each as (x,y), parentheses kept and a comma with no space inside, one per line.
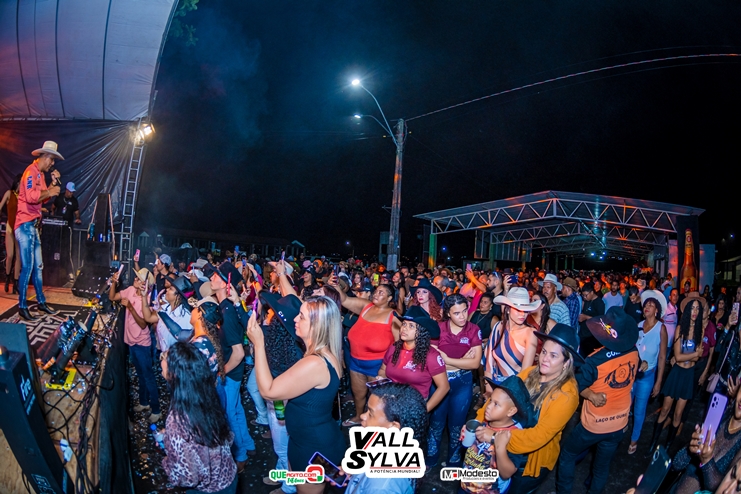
(381,452)
(314,474)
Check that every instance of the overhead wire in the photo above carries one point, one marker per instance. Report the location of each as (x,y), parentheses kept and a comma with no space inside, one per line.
(577,74)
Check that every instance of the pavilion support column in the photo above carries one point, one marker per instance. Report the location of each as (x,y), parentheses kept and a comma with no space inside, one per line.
(432,255)
(555,269)
(492,261)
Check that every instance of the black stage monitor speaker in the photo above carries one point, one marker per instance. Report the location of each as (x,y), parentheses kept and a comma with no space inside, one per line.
(15,337)
(55,251)
(22,422)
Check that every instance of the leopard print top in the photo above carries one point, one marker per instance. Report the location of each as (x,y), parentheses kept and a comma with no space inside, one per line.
(192,465)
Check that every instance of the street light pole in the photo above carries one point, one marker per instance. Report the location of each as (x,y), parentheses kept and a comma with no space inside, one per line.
(399,137)
(393,248)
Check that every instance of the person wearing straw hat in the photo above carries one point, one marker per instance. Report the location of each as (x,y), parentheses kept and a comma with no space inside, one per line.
(652,343)
(512,345)
(32,194)
(551,287)
(605,382)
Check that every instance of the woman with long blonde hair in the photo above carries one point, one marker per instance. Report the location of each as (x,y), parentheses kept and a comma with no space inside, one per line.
(309,387)
(555,397)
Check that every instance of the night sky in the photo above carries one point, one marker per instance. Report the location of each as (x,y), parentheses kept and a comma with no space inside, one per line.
(255,132)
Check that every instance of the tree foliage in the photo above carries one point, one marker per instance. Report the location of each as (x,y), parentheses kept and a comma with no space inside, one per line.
(179,29)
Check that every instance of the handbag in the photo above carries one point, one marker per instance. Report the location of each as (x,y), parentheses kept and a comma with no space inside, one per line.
(715,377)
(180,334)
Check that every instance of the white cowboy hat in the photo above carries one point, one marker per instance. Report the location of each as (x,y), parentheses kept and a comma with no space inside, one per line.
(49,147)
(519,298)
(646,294)
(551,278)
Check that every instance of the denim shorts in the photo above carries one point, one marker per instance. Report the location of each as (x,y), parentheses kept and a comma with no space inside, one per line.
(365,367)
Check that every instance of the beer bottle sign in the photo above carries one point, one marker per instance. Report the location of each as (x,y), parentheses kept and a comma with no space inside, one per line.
(689,270)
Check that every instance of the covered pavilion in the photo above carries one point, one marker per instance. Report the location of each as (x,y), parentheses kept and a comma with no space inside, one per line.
(564,225)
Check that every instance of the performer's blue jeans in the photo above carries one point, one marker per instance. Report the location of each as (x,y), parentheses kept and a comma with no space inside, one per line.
(29,245)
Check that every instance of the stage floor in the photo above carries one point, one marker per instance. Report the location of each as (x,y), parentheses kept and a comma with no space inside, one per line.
(54,295)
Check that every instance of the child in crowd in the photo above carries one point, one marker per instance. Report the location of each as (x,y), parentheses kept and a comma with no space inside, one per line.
(508,408)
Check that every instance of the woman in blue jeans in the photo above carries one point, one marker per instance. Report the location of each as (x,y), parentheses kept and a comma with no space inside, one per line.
(460,347)
(652,343)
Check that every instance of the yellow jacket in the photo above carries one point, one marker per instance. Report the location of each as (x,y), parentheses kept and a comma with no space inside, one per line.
(542,442)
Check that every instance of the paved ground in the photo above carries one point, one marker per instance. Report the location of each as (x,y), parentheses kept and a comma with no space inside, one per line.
(149,477)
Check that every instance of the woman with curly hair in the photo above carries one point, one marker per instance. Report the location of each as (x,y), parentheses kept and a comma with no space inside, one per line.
(412,360)
(392,405)
(460,348)
(680,384)
(197,436)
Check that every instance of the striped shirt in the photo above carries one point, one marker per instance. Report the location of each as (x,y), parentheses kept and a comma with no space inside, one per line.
(506,359)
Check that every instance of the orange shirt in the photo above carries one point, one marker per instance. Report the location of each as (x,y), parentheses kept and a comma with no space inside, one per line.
(612,373)
(29,202)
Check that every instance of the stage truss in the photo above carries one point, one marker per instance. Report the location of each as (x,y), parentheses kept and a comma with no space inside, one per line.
(567,223)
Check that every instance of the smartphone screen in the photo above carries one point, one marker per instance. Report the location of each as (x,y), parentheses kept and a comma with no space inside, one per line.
(120,268)
(468,267)
(283,255)
(136,255)
(331,470)
(655,473)
(378,382)
(735,310)
(715,414)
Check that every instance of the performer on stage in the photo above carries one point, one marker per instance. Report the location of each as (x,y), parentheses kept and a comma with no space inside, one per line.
(33,192)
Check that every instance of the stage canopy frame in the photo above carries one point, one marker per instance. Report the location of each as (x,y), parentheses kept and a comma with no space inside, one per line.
(565,223)
(83,74)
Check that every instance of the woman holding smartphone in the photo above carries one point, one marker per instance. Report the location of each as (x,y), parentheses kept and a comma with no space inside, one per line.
(716,453)
(310,385)
(460,348)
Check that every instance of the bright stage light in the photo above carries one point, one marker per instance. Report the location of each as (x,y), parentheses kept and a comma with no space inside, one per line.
(144,132)
(355,82)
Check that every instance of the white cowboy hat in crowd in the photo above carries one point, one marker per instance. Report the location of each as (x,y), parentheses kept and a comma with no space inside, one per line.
(552,279)
(646,294)
(519,298)
(49,147)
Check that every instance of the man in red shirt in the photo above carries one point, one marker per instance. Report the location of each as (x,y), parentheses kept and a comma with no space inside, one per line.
(33,192)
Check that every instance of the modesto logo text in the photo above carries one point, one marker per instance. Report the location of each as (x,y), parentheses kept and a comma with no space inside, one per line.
(469,475)
(380,452)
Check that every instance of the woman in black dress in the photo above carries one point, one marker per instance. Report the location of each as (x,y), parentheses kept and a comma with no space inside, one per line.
(309,386)
(680,385)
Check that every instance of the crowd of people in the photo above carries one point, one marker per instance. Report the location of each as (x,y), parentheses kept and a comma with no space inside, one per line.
(416,347)
(531,346)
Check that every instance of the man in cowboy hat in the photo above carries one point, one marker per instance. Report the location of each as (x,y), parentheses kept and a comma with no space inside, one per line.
(32,194)
(224,282)
(551,287)
(605,382)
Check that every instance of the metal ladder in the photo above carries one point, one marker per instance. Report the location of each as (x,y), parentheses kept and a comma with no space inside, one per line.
(129,200)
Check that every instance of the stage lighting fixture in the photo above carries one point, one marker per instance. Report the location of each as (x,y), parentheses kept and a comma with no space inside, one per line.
(144,132)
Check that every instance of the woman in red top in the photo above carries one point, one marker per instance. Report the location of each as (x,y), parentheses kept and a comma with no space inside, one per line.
(460,348)
(412,361)
(370,337)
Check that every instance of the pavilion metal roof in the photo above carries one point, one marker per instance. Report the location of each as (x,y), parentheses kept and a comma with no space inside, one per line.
(568,222)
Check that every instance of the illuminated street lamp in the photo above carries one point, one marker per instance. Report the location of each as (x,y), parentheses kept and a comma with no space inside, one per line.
(399,138)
